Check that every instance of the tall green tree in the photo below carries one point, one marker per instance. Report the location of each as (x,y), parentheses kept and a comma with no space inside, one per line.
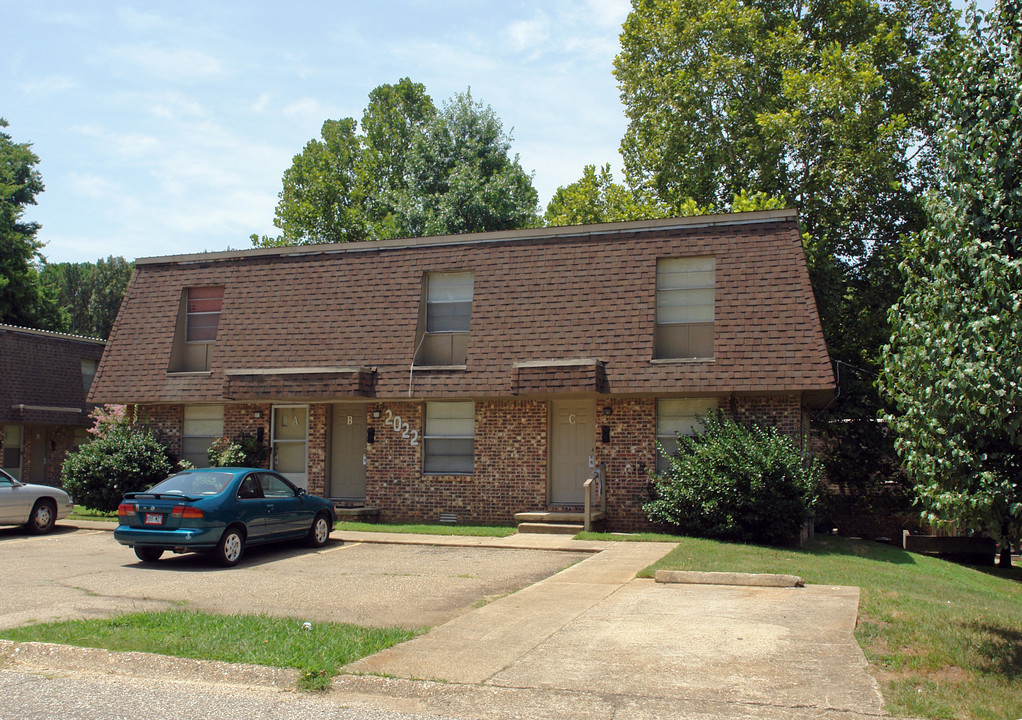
(87,295)
(829,105)
(411,171)
(597,199)
(953,367)
(825,104)
(21,302)
(462,179)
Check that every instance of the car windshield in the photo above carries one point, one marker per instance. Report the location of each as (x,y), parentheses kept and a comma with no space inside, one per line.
(207,483)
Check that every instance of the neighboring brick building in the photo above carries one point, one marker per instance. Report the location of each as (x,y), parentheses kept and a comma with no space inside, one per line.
(44,379)
(476,375)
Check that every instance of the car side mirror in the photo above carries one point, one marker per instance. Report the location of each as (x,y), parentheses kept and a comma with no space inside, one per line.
(302,491)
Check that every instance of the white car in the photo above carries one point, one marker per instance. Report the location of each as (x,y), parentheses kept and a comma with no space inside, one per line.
(36,507)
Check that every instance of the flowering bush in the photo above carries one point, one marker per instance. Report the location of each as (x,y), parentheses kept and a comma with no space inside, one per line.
(122,458)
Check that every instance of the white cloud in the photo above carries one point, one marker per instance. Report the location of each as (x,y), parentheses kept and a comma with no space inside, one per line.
(177,65)
(262,102)
(527,35)
(137,20)
(173,105)
(50,85)
(92,186)
(128,145)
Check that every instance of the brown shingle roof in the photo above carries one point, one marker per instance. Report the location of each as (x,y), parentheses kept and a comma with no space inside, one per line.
(549,293)
(41,376)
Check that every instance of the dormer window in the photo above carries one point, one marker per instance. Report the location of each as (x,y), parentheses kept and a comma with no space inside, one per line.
(198,321)
(88,374)
(203,315)
(684,308)
(448,312)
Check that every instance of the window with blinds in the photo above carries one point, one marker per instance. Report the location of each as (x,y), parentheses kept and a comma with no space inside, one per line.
(202,425)
(448,315)
(676,416)
(685,289)
(449,438)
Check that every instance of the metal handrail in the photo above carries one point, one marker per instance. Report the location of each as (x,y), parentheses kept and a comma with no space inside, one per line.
(597,476)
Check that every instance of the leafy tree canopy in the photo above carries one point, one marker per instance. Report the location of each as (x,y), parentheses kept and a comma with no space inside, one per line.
(825,104)
(21,302)
(412,171)
(954,364)
(87,295)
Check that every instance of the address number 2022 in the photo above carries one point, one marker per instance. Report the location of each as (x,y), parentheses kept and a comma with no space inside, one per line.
(400,425)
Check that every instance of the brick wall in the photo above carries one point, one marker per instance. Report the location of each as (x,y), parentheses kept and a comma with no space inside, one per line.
(166,420)
(510,460)
(509,473)
(628,455)
(319,429)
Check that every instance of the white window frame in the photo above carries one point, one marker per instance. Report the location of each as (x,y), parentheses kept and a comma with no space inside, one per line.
(449,288)
(205,426)
(678,415)
(189,313)
(685,299)
(445,422)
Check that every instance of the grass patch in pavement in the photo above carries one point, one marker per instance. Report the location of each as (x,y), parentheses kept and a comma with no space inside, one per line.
(943,640)
(83,513)
(255,639)
(629,537)
(480,530)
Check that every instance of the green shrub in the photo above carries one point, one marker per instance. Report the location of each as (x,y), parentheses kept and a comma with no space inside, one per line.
(243,451)
(125,458)
(745,483)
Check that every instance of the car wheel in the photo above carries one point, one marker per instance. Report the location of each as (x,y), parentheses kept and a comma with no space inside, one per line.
(230,548)
(44,514)
(319,533)
(148,554)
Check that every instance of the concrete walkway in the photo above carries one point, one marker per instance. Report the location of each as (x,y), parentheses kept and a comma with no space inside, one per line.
(594,642)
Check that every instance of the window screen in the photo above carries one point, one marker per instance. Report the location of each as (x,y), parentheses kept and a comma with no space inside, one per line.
(685,296)
(449,302)
(449,440)
(674,416)
(204,305)
(201,426)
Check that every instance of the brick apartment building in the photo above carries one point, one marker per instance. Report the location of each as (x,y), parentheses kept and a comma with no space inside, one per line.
(44,380)
(475,376)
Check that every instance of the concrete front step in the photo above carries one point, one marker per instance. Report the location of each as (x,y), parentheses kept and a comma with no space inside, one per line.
(555,517)
(550,528)
(358,514)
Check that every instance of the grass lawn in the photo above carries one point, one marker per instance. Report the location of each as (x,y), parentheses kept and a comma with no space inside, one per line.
(943,640)
(482,530)
(83,513)
(259,640)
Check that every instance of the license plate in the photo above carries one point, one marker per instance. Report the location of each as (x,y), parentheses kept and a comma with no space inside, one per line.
(153,519)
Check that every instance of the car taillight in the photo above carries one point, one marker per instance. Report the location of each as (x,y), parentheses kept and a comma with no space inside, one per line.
(125,509)
(186,511)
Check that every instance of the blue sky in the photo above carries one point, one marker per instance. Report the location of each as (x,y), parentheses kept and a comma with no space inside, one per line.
(164,128)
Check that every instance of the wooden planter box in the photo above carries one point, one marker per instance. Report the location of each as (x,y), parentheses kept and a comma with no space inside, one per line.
(969,550)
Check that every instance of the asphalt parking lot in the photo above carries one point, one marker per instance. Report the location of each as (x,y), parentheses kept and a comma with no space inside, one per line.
(76,573)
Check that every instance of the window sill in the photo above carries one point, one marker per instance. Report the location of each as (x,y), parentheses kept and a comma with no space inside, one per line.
(189,373)
(447,475)
(679,361)
(417,368)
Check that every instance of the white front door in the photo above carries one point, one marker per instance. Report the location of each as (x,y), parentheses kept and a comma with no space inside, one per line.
(572,447)
(290,443)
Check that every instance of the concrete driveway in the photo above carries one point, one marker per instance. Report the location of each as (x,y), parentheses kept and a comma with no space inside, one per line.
(85,573)
(590,642)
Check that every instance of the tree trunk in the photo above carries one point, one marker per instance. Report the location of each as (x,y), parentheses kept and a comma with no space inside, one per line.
(1005,560)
